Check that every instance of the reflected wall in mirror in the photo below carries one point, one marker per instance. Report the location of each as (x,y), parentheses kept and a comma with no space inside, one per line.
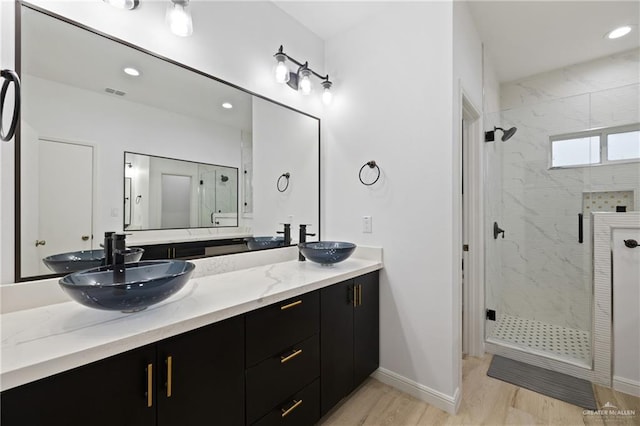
(81,112)
(167,193)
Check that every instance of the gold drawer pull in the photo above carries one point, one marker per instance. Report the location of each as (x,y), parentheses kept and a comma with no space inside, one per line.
(169,375)
(149,385)
(359,294)
(294,354)
(291,305)
(355,296)
(296,404)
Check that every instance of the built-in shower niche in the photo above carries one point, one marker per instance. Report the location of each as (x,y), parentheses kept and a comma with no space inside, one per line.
(607,201)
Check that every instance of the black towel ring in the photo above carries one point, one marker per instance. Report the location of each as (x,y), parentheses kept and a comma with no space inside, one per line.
(372,164)
(10,77)
(286,176)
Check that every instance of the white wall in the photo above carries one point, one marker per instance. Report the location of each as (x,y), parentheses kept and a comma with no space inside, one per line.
(395,107)
(234,41)
(7,61)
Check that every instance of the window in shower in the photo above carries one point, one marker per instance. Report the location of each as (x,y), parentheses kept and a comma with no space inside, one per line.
(600,146)
(623,146)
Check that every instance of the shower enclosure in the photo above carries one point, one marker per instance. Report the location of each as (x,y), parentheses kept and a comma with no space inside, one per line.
(569,157)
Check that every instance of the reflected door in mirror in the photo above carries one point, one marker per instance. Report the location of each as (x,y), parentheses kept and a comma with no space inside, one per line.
(58,215)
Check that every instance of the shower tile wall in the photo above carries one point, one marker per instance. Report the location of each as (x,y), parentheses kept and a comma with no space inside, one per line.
(545,273)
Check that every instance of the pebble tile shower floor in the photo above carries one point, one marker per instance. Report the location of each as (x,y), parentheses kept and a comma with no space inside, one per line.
(566,343)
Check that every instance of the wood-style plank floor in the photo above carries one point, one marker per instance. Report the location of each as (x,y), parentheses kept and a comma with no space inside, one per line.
(485,401)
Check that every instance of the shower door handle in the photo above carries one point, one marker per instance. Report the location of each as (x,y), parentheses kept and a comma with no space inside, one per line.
(580,228)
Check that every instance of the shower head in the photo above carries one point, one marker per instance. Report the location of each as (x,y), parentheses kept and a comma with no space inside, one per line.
(506,134)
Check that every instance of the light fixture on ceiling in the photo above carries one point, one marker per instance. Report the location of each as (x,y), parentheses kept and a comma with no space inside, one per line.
(301,79)
(179,18)
(227,105)
(123,4)
(131,71)
(618,32)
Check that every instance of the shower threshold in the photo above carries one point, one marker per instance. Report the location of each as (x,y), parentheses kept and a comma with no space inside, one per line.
(560,343)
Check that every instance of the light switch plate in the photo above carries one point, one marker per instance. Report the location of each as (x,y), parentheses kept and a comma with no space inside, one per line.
(367,224)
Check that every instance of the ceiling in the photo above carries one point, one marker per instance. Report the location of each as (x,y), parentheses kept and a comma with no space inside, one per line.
(521,38)
(57,51)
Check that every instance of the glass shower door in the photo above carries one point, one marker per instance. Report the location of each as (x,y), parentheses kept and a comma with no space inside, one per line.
(538,272)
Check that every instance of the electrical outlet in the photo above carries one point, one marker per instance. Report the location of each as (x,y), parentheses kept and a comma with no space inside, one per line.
(367,225)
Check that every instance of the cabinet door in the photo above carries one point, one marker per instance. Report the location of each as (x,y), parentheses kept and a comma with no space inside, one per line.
(201,376)
(157,252)
(336,343)
(107,392)
(366,327)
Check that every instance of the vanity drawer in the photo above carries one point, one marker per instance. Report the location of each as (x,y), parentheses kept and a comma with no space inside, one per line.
(302,408)
(273,380)
(272,329)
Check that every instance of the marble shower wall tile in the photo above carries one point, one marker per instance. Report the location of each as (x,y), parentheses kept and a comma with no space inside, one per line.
(620,69)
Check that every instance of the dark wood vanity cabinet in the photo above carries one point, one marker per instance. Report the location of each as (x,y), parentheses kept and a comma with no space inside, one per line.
(104,393)
(350,336)
(201,376)
(193,249)
(285,364)
(203,384)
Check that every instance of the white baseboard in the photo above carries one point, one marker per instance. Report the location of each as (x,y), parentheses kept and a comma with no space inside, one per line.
(448,403)
(627,386)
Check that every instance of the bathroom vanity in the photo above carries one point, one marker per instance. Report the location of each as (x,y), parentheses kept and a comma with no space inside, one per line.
(280,343)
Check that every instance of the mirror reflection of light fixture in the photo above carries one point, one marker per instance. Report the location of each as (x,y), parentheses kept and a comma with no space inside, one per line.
(123,4)
(179,18)
(301,79)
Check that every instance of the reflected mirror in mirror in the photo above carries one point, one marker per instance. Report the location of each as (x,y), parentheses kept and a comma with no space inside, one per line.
(81,112)
(166,193)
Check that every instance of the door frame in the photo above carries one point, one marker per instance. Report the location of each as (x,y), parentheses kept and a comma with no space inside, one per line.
(472,333)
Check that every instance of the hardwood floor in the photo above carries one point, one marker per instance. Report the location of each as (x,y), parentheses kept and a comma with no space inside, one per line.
(485,401)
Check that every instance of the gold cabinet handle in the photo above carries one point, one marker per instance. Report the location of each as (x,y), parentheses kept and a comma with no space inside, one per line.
(149,385)
(40,243)
(291,305)
(169,253)
(355,296)
(85,238)
(169,375)
(292,355)
(359,294)
(174,252)
(296,404)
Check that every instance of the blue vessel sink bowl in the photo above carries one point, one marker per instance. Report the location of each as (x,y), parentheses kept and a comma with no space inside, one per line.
(140,285)
(86,259)
(327,252)
(259,243)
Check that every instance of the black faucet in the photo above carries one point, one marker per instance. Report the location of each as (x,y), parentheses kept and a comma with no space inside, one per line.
(287,234)
(119,248)
(303,239)
(108,248)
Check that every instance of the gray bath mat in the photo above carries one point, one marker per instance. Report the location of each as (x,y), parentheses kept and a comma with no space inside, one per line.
(550,383)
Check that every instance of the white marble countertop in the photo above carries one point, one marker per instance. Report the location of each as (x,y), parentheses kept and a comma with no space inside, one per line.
(46,340)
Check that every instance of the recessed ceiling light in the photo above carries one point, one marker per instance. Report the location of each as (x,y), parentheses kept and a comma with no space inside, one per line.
(618,32)
(131,71)
(227,105)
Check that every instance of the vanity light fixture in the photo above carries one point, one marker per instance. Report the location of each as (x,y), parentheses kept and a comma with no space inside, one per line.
(123,4)
(179,18)
(131,71)
(301,79)
(227,105)
(618,32)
